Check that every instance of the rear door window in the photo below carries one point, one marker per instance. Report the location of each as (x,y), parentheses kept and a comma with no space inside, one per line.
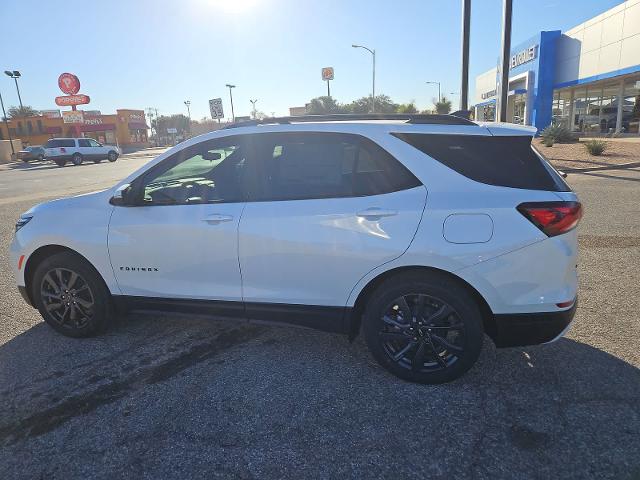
(297,166)
(507,161)
(84,143)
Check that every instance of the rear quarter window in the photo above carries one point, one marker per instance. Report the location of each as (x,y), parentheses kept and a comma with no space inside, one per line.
(56,143)
(507,161)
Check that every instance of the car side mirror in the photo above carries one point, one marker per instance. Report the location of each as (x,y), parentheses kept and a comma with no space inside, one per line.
(122,197)
(212,156)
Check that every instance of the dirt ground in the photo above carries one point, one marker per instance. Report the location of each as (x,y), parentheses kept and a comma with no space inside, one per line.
(574,156)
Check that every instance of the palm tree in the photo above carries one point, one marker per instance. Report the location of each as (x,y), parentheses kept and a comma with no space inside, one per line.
(25,111)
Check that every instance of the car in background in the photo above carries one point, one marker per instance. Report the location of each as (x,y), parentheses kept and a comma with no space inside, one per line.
(77,150)
(28,154)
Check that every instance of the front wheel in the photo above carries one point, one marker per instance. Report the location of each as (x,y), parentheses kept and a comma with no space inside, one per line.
(71,296)
(60,162)
(40,157)
(112,156)
(423,327)
(76,159)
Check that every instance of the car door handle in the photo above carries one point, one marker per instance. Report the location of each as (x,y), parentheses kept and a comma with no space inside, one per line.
(217,218)
(376,213)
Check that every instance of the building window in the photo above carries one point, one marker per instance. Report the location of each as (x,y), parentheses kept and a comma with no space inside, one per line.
(29,127)
(40,127)
(631,106)
(20,128)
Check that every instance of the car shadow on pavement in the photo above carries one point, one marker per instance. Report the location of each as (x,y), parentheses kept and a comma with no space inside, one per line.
(277,390)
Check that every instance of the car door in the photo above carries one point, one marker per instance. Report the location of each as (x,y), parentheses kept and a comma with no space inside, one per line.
(331,207)
(84,148)
(97,151)
(179,239)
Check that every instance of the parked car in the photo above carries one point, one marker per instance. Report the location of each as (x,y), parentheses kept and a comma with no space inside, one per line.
(423,232)
(28,154)
(76,150)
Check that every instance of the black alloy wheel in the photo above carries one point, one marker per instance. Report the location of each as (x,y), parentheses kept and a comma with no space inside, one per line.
(67,298)
(423,327)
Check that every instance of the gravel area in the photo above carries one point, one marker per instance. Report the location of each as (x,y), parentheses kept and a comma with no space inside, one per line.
(574,156)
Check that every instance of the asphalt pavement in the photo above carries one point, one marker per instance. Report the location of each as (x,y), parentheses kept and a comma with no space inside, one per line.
(162,396)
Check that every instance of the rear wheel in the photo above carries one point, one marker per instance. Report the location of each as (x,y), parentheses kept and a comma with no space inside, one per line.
(112,156)
(77,159)
(41,157)
(423,327)
(60,162)
(71,296)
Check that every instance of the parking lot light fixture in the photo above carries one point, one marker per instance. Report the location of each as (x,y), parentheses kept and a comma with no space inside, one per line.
(436,83)
(15,74)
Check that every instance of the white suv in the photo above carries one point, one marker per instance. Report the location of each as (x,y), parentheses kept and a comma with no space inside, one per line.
(76,150)
(425,232)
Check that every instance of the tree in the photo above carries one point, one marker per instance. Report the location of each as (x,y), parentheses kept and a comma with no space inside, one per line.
(442,106)
(407,108)
(24,111)
(324,105)
(179,121)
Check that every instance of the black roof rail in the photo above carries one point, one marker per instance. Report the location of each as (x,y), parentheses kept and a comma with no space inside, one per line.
(435,119)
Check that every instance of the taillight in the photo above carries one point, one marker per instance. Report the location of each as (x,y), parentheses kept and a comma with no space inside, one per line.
(63,150)
(553,218)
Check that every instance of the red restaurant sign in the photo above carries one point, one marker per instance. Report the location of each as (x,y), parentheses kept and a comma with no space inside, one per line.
(68,100)
(69,83)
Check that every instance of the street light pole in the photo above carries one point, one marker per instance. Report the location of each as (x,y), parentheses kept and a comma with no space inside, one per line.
(233,115)
(253,103)
(466,28)
(373,89)
(15,74)
(507,9)
(188,104)
(6,124)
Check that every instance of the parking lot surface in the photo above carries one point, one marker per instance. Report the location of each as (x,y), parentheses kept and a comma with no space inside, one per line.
(175,397)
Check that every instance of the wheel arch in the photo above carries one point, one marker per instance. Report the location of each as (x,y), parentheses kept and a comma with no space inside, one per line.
(355,318)
(42,253)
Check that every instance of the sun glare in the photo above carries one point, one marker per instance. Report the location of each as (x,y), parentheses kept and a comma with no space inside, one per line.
(234,6)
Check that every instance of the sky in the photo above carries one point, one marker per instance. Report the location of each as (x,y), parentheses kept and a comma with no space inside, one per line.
(159,53)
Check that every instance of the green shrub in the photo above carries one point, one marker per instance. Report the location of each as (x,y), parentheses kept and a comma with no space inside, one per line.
(595,147)
(548,141)
(558,133)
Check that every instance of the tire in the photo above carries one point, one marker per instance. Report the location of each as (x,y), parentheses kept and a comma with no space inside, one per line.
(112,156)
(443,310)
(87,298)
(77,159)
(60,162)
(40,157)
(25,160)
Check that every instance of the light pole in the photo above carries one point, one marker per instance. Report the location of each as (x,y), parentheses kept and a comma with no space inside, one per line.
(6,124)
(15,74)
(507,8)
(233,115)
(373,89)
(436,83)
(188,104)
(253,103)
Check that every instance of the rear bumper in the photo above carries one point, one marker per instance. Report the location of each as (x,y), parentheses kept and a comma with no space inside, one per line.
(521,329)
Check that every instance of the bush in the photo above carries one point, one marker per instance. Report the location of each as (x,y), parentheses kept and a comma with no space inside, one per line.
(595,147)
(548,141)
(558,133)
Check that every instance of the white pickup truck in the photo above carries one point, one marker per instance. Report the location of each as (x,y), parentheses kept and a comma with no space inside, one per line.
(76,150)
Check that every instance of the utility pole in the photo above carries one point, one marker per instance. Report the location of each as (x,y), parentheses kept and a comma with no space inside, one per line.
(466,27)
(253,103)
(506,54)
(6,124)
(230,87)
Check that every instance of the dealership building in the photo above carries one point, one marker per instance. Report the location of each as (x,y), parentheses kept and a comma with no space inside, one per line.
(587,78)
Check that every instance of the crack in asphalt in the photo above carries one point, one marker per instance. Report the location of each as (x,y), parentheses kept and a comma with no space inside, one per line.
(85,402)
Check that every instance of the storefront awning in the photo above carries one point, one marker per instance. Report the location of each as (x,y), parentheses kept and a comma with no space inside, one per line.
(98,128)
(138,126)
(488,102)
